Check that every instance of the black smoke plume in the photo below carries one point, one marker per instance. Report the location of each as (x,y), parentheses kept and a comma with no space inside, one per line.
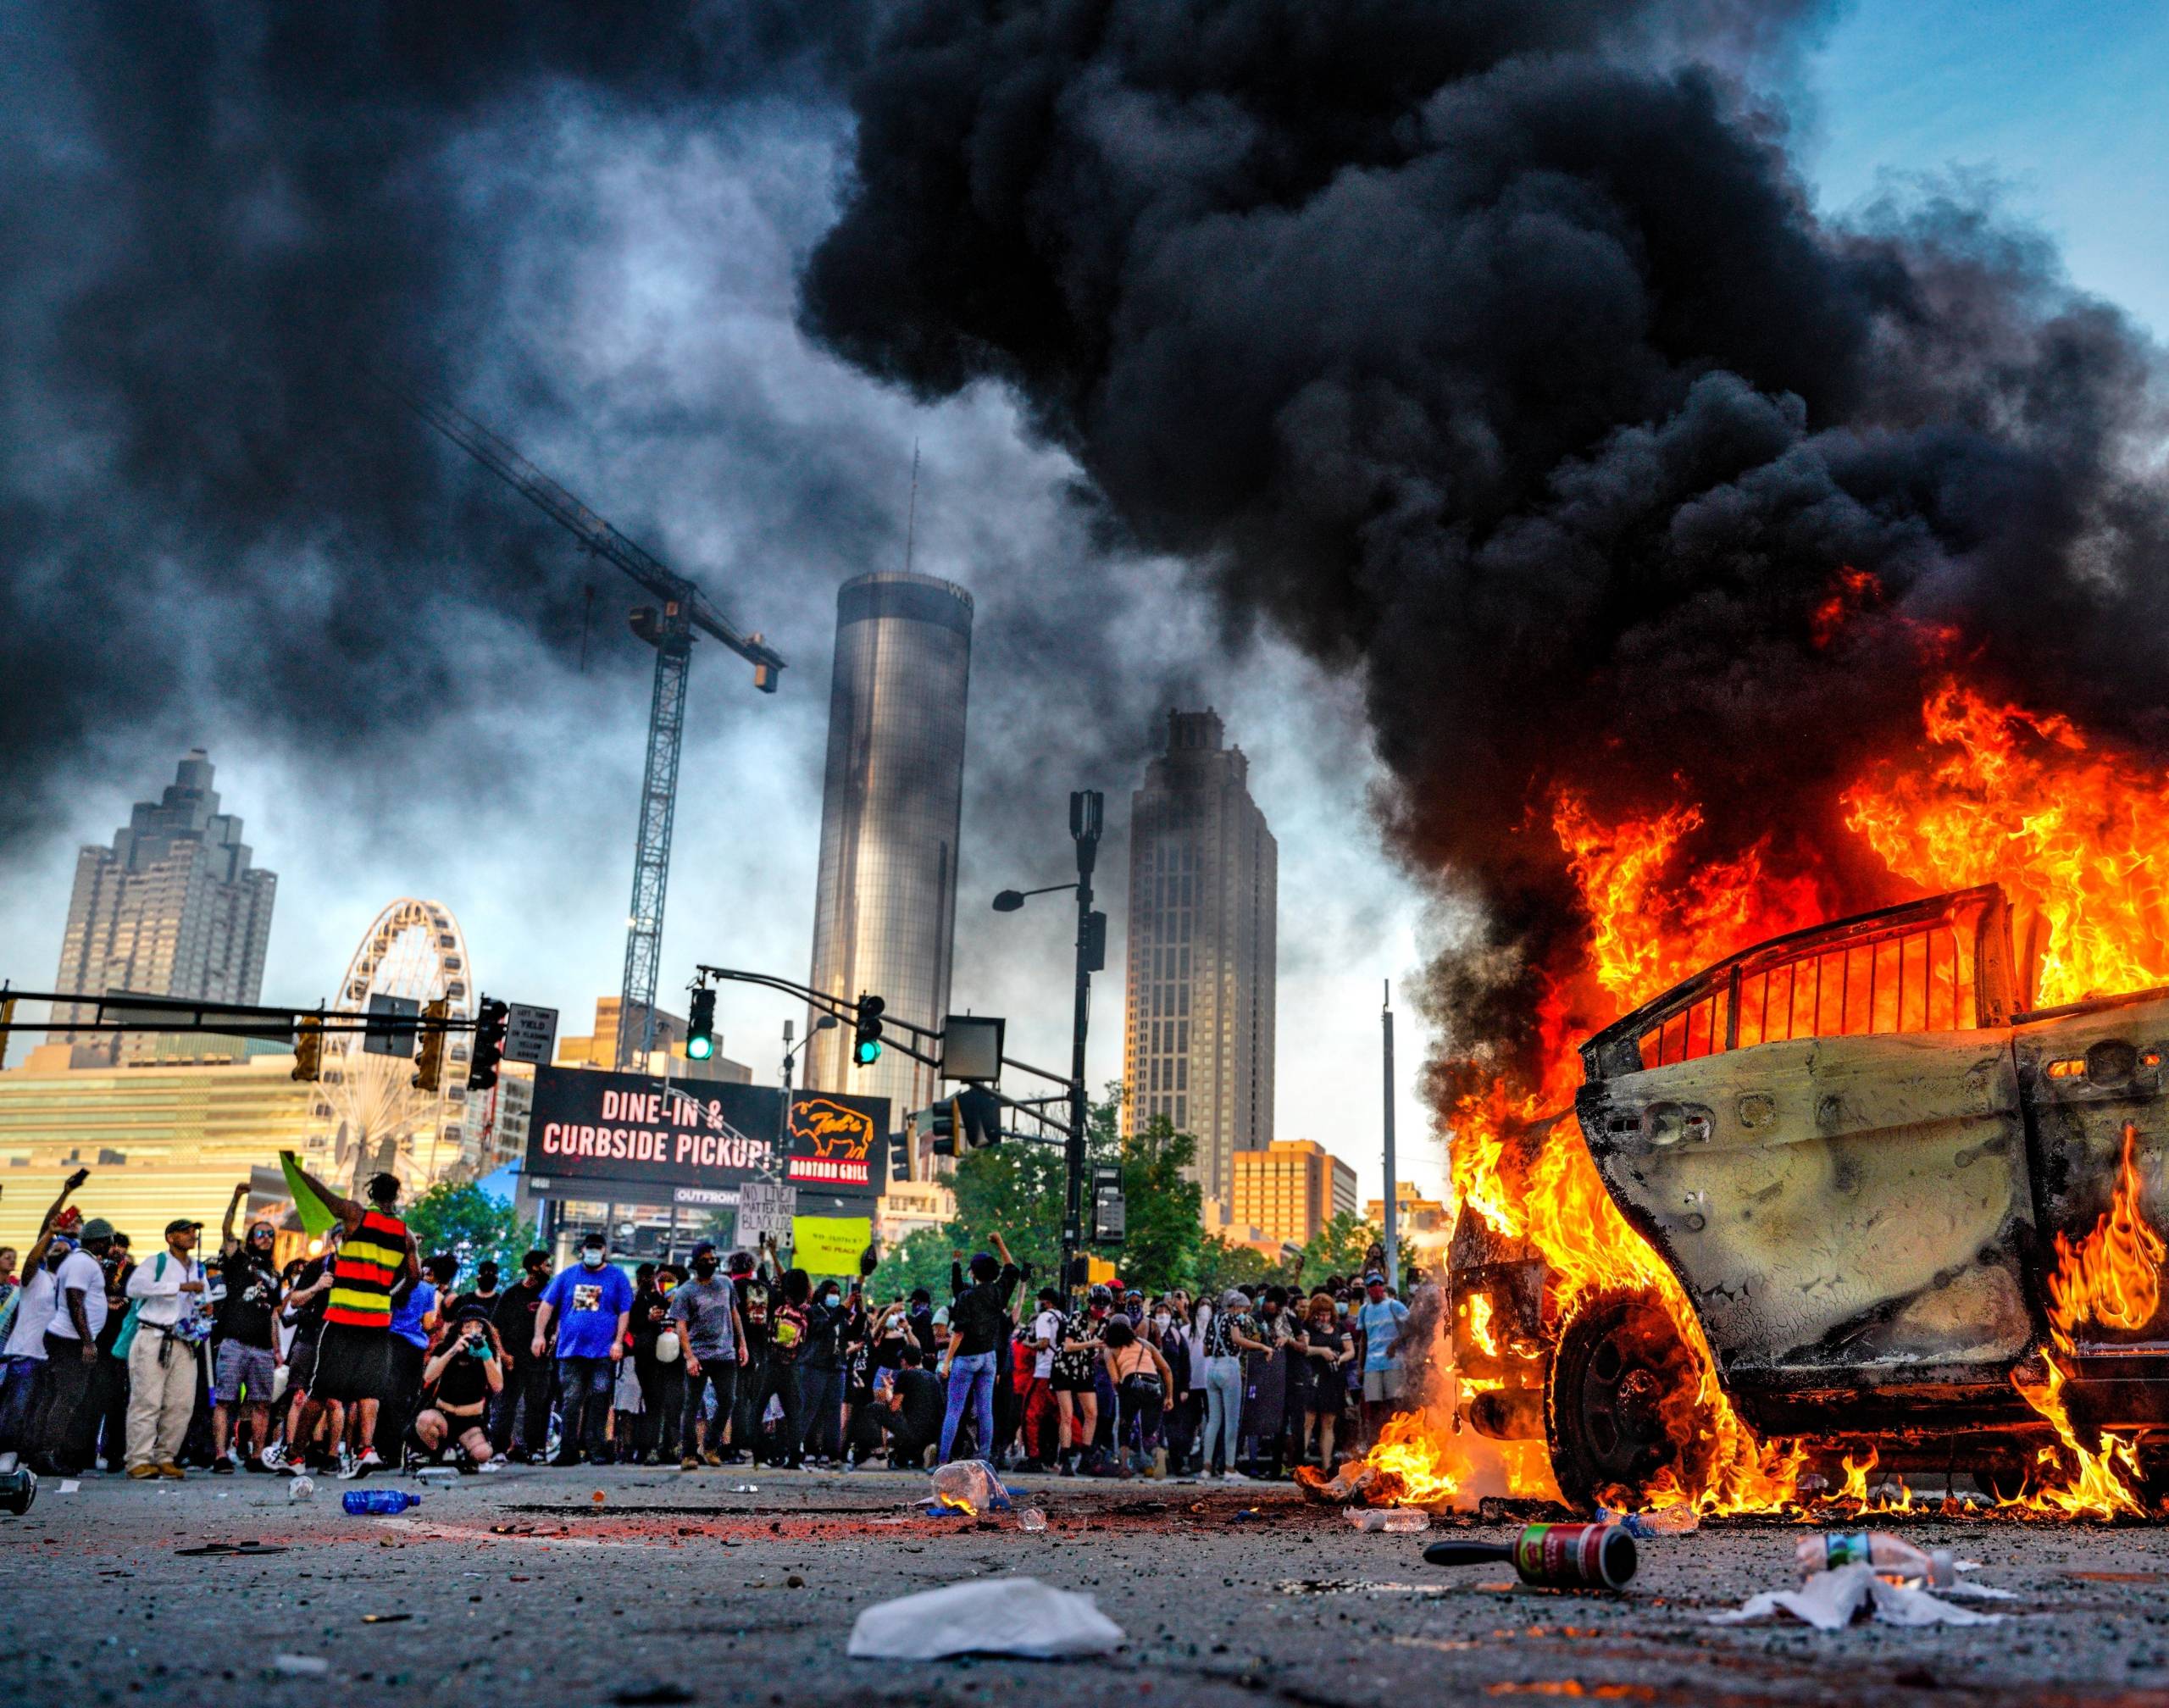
(217,223)
(1495,351)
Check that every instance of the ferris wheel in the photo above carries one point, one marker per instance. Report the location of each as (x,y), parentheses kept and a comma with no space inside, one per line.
(414,949)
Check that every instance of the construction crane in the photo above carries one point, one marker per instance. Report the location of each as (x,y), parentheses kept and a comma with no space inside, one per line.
(670,626)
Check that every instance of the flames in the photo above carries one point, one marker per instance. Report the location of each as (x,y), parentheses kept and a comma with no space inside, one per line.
(1996,793)
(2071,830)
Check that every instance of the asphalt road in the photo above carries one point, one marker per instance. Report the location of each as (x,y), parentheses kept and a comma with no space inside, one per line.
(570,1587)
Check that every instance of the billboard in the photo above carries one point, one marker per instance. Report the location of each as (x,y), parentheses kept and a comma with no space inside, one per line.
(636,1138)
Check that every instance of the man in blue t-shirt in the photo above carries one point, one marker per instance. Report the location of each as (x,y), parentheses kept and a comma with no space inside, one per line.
(590,1306)
(1379,1324)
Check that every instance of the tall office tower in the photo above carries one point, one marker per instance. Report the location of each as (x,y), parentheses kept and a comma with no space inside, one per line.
(1204,888)
(1291,1189)
(885,917)
(172,909)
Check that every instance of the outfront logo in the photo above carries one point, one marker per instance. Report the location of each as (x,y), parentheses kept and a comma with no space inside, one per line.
(830,1144)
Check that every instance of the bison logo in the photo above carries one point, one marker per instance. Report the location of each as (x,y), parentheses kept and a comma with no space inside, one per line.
(832,1130)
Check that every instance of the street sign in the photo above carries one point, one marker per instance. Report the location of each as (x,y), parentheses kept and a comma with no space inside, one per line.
(390,1025)
(530,1033)
(1110,1213)
(765,1209)
(711,1197)
(971,1047)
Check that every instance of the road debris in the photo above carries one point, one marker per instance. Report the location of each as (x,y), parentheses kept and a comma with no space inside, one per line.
(1001,1616)
(1570,1557)
(1830,1600)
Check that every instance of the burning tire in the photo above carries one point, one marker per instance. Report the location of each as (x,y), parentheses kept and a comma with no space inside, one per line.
(1619,1411)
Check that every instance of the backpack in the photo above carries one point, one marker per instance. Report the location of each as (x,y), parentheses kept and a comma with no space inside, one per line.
(126,1338)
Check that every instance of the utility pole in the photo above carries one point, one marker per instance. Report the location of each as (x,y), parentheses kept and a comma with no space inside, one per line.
(1085,811)
(1393,1207)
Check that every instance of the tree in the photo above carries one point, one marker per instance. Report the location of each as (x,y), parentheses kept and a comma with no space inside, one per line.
(1220,1265)
(920,1259)
(1338,1249)
(471,1225)
(1161,1205)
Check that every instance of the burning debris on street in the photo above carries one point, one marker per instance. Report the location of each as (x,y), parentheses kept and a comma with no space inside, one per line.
(1570,1329)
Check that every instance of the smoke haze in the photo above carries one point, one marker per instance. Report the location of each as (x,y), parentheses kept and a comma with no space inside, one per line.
(1496,352)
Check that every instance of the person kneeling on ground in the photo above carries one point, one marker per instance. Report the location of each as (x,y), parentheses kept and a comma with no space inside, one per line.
(909,1404)
(468,1371)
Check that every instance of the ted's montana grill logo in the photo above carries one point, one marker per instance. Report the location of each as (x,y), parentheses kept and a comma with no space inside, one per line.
(829,1143)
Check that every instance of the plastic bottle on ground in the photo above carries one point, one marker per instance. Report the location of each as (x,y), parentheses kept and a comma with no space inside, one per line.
(383,1502)
(1400,1520)
(1031,1518)
(301,1487)
(970,1485)
(1892,1557)
(1681,1520)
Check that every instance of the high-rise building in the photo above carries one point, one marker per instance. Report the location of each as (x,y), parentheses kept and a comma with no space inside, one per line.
(1290,1190)
(884,915)
(1204,888)
(668,1059)
(172,908)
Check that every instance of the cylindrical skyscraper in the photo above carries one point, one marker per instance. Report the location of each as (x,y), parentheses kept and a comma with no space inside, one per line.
(885,917)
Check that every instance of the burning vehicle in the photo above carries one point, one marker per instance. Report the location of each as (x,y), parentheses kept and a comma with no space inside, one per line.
(1910,1218)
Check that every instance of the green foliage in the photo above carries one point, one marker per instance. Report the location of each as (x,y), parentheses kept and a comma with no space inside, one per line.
(1164,1236)
(920,1260)
(1016,1189)
(1222,1265)
(1338,1249)
(467,1222)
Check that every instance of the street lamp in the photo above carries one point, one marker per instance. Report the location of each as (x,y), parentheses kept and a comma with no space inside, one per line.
(1085,813)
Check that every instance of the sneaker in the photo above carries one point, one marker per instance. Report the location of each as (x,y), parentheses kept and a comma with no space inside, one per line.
(166,1468)
(730,1456)
(370,1460)
(223,1466)
(712,1457)
(274,1457)
(689,1462)
(346,1460)
(494,1462)
(1237,1477)
(142,1474)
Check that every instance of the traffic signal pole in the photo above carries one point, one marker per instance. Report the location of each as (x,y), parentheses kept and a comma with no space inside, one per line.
(1084,816)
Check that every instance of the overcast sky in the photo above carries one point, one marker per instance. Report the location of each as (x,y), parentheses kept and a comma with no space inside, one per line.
(709,422)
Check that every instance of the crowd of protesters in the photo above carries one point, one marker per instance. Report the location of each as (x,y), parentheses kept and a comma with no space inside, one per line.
(368,1355)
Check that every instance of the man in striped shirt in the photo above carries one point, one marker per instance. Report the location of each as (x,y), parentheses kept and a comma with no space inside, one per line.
(353,1353)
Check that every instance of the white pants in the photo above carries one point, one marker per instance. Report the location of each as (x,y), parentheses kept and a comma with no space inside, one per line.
(161,1397)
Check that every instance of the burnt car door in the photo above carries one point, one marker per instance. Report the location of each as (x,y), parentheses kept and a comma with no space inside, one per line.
(1824,1137)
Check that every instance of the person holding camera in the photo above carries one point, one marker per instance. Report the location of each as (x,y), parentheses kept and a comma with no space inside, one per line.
(466,1373)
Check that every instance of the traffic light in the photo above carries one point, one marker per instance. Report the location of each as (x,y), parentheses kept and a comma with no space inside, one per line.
(430,1072)
(308,1047)
(865,1043)
(977,1118)
(937,1125)
(899,1154)
(700,1029)
(490,1024)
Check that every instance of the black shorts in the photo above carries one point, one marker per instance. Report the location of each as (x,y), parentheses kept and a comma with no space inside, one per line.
(352,1363)
(1074,1382)
(301,1364)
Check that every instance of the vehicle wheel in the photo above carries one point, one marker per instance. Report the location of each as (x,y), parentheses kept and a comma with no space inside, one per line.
(1619,1407)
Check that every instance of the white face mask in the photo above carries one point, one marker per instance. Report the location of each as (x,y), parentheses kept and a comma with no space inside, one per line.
(1161,1319)
(593,1260)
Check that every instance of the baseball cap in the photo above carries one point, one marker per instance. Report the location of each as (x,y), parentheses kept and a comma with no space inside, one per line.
(705,1249)
(97,1228)
(172,1227)
(1374,1279)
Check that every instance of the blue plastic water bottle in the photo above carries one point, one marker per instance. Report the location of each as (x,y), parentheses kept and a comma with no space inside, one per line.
(382,1501)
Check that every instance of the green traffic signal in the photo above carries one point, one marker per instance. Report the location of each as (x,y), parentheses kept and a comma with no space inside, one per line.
(700,1048)
(866,1041)
(699,1031)
(869,1051)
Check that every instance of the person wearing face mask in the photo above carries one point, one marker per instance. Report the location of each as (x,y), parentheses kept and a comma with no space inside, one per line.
(821,1376)
(590,1306)
(525,1399)
(1329,1351)
(704,1312)
(1165,1330)
(248,1357)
